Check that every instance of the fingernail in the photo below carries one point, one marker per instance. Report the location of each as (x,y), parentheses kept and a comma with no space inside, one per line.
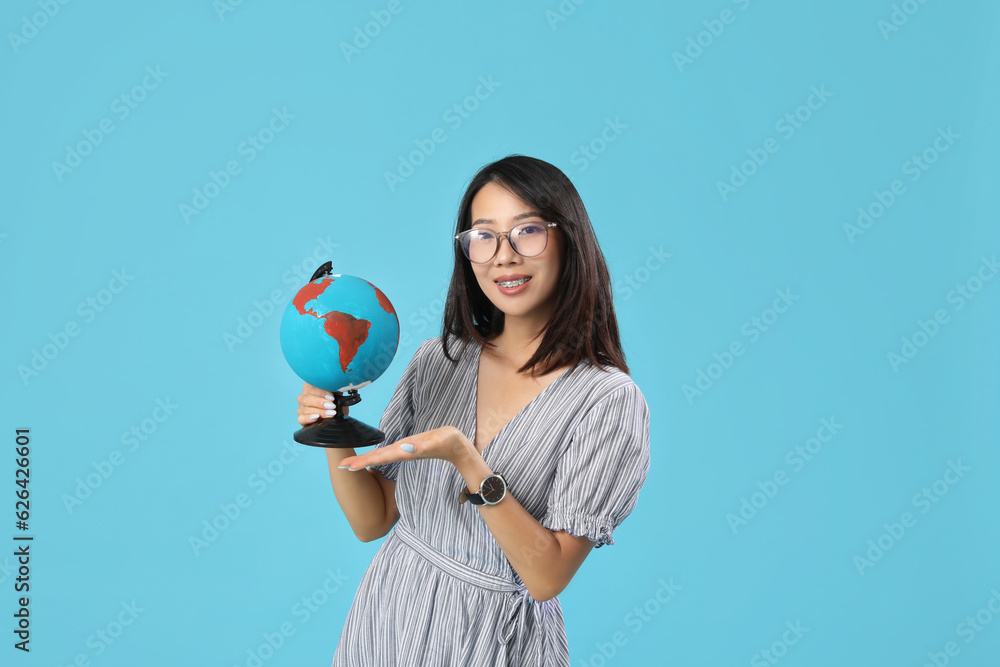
(329,405)
(331,412)
(406,447)
(313,416)
(342,467)
(329,397)
(354,469)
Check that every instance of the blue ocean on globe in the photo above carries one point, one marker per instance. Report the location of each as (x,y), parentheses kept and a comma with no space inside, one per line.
(339,333)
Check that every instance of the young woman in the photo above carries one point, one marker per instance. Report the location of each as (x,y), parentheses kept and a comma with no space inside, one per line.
(516,441)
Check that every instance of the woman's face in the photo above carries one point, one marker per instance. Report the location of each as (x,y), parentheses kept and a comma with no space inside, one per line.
(497,209)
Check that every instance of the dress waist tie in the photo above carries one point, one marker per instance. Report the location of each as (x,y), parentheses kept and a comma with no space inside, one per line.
(517,602)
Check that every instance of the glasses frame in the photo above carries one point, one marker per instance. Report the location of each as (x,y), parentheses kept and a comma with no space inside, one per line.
(500,236)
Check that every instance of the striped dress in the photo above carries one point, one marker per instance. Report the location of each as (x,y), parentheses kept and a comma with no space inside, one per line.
(439,590)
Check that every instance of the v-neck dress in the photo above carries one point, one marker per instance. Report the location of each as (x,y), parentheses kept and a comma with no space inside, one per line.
(440,591)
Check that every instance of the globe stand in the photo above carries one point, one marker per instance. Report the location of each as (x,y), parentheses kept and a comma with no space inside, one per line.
(340,431)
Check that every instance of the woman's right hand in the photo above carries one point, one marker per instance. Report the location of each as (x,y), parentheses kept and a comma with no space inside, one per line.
(316,404)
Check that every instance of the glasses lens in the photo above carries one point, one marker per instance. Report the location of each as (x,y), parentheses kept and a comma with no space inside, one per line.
(529,239)
(479,245)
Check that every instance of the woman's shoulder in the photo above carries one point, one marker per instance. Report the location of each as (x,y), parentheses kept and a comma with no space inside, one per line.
(432,347)
(608,383)
(427,345)
(429,353)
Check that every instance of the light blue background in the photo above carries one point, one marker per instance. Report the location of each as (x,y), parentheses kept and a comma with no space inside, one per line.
(557,84)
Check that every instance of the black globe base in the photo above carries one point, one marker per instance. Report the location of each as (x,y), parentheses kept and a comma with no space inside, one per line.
(340,431)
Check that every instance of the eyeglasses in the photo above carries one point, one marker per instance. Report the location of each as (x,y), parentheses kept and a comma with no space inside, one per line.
(527,239)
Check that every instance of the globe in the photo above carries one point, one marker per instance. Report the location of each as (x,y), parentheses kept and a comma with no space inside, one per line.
(339,333)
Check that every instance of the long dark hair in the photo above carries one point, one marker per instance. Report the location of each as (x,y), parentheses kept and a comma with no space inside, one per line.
(583,323)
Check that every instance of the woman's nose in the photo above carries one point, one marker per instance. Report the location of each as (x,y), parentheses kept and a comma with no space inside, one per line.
(505,253)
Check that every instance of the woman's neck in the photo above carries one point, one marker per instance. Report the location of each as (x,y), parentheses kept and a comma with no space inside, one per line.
(515,344)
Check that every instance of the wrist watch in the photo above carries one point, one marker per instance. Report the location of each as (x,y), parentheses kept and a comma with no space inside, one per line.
(492,490)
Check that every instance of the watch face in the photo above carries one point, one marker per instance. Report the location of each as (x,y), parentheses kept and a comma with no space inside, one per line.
(492,489)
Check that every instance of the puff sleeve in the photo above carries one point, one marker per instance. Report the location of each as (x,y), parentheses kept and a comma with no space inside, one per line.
(397,420)
(598,478)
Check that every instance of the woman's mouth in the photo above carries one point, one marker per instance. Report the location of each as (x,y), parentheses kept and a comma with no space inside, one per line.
(510,287)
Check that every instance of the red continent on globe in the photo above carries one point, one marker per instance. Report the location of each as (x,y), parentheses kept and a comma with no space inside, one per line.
(350,332)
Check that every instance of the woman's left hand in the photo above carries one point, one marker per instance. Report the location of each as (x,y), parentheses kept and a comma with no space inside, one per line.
(447,443)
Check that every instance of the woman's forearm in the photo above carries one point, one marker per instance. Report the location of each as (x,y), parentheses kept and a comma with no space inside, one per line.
(532,549)
(360,497)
